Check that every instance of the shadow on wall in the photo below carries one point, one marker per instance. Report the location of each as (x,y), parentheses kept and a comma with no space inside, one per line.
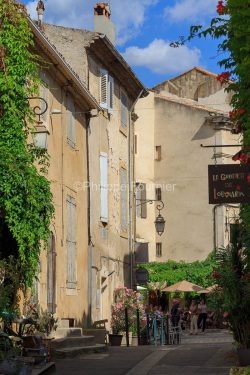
(204,132)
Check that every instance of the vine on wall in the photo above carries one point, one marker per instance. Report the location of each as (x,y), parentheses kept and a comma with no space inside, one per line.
(25,198)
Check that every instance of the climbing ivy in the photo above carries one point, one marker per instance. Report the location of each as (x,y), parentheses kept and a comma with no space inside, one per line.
(25,198)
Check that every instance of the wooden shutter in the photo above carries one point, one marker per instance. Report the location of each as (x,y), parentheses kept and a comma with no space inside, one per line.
(143,198)
(124,110)
(44,93)
(104,186)
(104,88)
(71,121)
(111,92)
(138,199)
(71,243)
(123,180)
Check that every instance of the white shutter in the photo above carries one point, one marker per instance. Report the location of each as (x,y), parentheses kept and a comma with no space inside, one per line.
(124,110)
(44,93)
(104,88)
(123,180)
(104,186)
(71,243)
(111,92)
(71,121)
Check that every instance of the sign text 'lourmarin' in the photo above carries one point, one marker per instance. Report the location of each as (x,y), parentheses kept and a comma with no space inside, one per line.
(228,183)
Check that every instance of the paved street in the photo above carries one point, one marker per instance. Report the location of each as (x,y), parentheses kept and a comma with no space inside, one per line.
(208,354)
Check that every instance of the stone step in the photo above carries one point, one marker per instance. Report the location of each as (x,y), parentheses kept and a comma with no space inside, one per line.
(49,368)
(100,334)
(77,351)
(67,332)
(71,342)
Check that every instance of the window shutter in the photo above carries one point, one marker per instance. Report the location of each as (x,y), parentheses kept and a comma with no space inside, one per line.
(71,243)
(71,122)
(104,186)
(44,93)
(104,88)
(51,275)
(111,92)
(123,180)
(124,110)
(143,198)
(138,199)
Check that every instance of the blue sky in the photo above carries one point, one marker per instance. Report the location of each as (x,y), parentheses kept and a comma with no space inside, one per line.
(144,30)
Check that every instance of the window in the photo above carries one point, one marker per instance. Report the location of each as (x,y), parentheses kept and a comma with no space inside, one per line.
(158,153)
(124,200)
(71,243)
(71,122)
(106,90)
(124,110)
(158,249)
(141,197)
(104,186)
(158,193)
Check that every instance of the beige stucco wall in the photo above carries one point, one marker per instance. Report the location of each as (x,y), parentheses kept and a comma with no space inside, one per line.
(67,166)
(192,226)
(144,168)
(110,250)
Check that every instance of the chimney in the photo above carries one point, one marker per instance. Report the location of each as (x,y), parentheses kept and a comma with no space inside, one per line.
(102,21)
(40,10)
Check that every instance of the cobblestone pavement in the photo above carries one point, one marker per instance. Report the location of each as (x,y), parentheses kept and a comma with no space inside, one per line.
(207,354)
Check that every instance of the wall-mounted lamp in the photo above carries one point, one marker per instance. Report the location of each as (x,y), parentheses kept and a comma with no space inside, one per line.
(40,137)
(159,221)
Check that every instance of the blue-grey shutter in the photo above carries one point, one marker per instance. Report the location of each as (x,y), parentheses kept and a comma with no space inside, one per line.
(123,180)
(124,110)
(104,89)
(71,243)
(51,275)
(71,121)
(104,186)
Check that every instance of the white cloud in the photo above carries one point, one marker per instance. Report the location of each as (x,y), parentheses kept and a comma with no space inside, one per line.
(191,10)
(128,16)
(160,58)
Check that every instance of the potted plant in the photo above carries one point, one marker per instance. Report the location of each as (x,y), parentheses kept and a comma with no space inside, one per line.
(232,275)
(124,298)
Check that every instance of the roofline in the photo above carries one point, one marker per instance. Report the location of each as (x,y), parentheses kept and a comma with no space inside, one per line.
(201,70)
(191,103)
(125,64)
(93,104)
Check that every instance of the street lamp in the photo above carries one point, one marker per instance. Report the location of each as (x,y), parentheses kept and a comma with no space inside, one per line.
(159,221)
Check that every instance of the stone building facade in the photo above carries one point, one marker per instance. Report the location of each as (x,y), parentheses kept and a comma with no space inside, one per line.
(174,120)
(109,180)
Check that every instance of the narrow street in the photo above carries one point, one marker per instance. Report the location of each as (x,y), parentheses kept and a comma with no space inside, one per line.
(211,353)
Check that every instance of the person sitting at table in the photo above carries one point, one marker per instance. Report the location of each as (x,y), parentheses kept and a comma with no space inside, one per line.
(175,312)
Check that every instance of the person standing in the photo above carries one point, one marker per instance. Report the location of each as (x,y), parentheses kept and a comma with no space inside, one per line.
(202,307)
(175,313)
(193,311)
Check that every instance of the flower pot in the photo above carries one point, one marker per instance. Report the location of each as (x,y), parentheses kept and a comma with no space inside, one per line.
(244,356)
(134,341)
(115,340)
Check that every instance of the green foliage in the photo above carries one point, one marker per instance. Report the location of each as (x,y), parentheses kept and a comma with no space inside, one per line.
(232,275)
(9,285)
(25,197)
(198,272)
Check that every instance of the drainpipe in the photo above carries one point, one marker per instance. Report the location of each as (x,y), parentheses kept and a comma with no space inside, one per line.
(131,190)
